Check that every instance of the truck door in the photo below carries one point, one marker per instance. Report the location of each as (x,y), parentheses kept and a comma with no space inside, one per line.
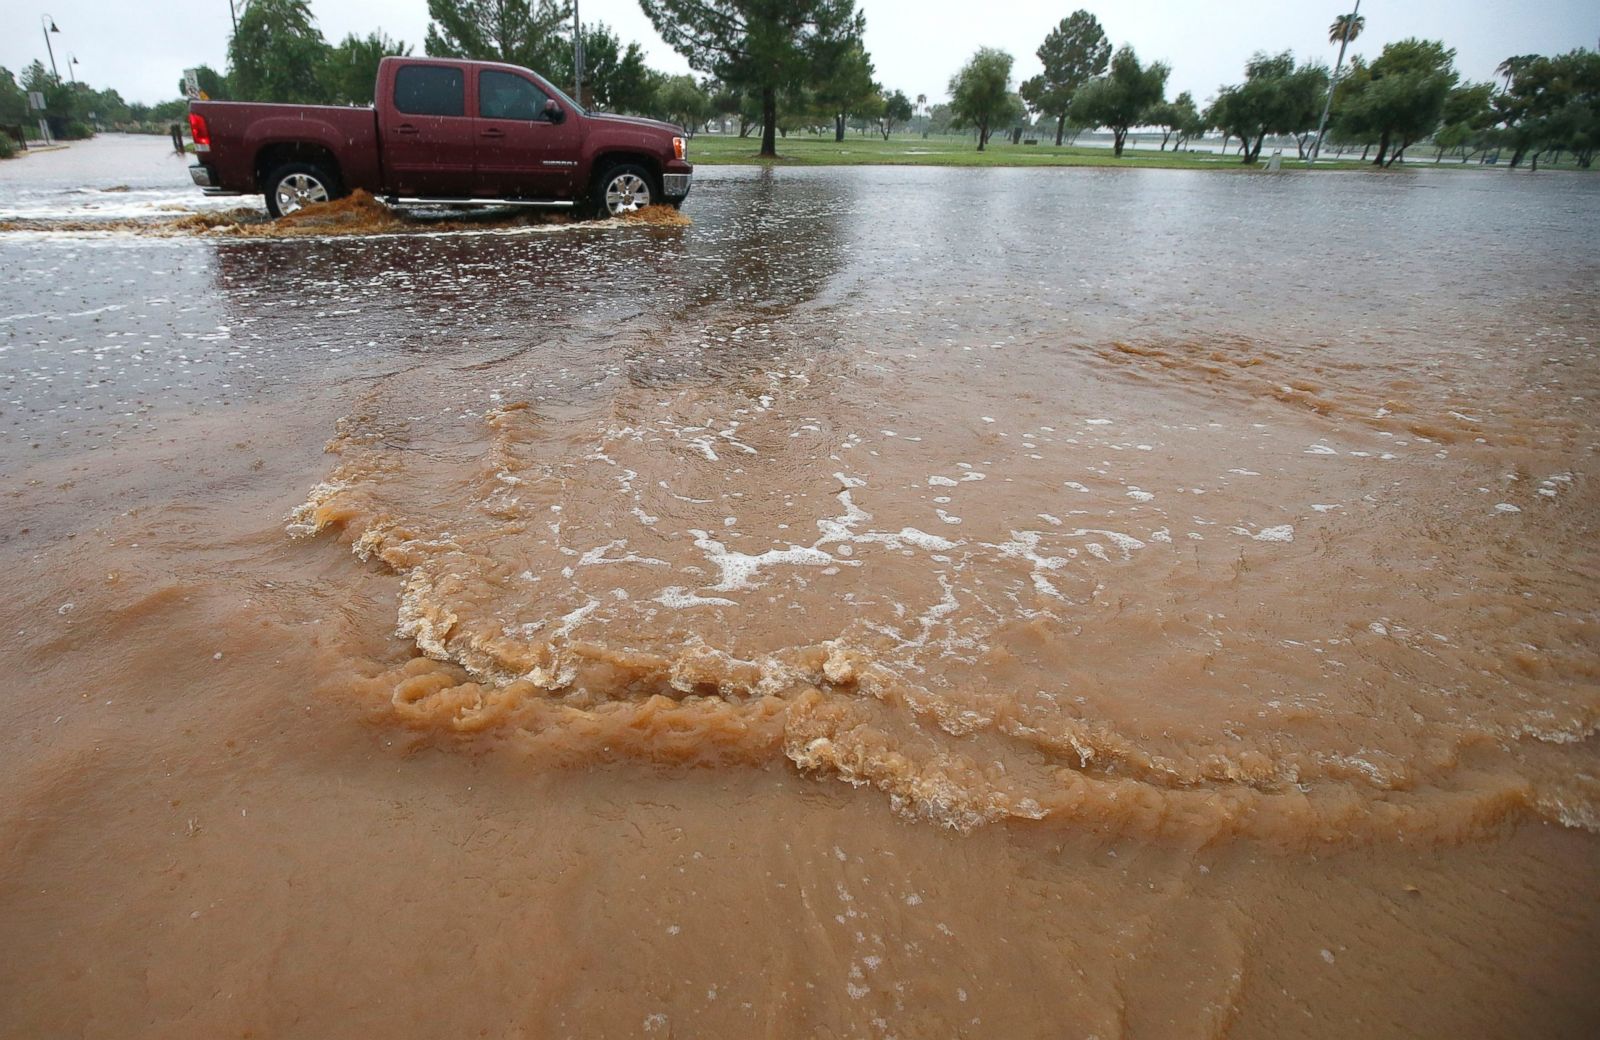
(427,135)
(521,151)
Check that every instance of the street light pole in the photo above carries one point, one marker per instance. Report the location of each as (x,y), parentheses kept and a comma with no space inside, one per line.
(1333,81)
(577,55)
(49,26)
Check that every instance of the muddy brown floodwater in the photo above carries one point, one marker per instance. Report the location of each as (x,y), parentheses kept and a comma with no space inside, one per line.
(1074,604)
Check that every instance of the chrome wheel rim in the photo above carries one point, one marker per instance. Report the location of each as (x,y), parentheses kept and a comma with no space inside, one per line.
(299,190)
(625,193)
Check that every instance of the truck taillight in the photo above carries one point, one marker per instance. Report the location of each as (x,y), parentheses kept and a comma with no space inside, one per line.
(200,132)
(677,147)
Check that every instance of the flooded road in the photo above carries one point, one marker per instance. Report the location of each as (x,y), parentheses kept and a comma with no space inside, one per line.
(906,602)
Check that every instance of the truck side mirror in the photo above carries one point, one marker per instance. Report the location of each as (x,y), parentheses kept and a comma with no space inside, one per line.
(552,111)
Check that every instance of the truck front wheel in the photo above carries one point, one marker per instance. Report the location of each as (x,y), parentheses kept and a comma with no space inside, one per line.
(294,186)
(622,189)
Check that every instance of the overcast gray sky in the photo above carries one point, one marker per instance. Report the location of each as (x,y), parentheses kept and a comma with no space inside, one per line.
(140,47)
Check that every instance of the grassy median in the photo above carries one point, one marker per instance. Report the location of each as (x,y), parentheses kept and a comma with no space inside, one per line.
(908,150)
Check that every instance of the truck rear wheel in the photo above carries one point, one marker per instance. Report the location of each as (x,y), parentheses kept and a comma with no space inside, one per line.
(294,186)
(622,189)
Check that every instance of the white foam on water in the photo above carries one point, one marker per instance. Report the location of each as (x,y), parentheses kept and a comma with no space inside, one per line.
(675,597)
(1281,533)
(737,569)
(597,556)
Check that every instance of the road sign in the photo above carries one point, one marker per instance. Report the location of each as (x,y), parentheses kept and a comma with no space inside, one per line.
(191,84)
(36,100)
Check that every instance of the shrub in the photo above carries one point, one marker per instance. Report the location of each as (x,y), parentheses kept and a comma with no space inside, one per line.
(8,147)
(77,130)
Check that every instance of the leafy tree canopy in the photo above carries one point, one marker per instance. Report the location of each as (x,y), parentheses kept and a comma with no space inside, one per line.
(1398,99)
(980,94)
(278,54)
(763,46)
(532,34)
(352,70)
(1276,97)
(1073,53)
(1119,99)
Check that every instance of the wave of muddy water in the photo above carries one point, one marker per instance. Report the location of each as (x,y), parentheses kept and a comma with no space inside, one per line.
(1119,610)
(826,619)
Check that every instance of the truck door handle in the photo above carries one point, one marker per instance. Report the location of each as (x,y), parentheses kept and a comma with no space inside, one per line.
(492,132)
(405,128)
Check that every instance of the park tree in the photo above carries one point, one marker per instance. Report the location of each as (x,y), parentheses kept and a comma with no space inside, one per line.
(1179,117)
(13,99)
(1276,98)
(765,47)
(65,108)
(681,100)
(844,87)
(278,54)
(980,94)
(1073,53)
(1468,114)
(615,77)
(530,33)
(1398,99)
(1551,103)
(1120,98)
(897,109)
(352,70)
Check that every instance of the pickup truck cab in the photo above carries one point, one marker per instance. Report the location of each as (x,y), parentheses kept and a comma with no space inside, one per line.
(442,132)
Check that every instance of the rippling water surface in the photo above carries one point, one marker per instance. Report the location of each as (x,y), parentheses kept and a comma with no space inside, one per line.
(906,602)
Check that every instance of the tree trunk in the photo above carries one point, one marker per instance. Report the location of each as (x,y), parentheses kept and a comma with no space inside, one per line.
(1516,155)
(1383,149)
(1061,127)
(1118,137)
(838,126)
(1364,150)
(769,121)
(1164,139)
(983,136)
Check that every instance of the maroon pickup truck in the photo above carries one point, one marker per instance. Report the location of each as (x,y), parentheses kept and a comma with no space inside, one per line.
(443,132)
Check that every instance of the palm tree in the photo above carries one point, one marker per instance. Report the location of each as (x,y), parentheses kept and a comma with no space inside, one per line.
(1513,65)
(1345,28)
(1353,23)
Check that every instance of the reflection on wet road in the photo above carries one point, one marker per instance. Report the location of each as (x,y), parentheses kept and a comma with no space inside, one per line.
(1192,578)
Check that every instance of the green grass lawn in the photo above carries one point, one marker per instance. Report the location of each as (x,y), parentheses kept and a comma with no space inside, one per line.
(855,150)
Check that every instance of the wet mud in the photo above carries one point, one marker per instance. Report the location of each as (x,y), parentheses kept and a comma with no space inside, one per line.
(825,620)
(355,214)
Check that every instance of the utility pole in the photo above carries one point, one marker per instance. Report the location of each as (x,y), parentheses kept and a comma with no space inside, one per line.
(577,55)
(49,25)
(233,10)
(1333,81)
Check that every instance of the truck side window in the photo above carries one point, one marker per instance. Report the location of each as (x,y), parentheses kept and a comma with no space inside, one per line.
(504,95)
(430,90)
